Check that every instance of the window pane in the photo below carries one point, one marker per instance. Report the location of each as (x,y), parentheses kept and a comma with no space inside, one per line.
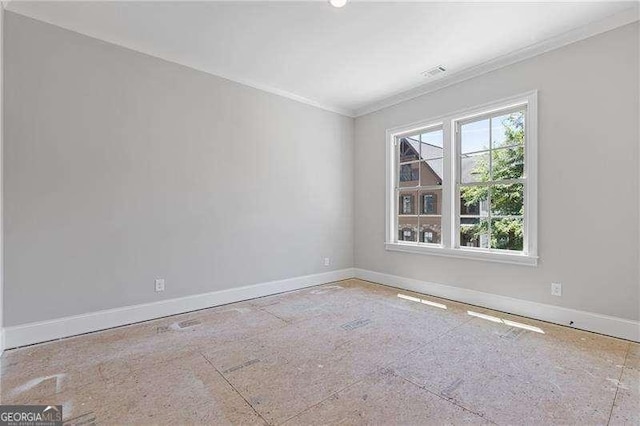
(431,172)
(474,167)
(507,234)
(475,233)
(474,201)
(408,229)
(507,163)
(474,136)
(409,174)
(432,145)
(430,230)
(507,200)
(407,203)
(507,130)
(409,149)
(430,202)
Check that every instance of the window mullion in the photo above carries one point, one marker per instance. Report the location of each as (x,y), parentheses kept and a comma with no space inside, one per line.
(489,230)
(455,214)
(455,162)
(447,223)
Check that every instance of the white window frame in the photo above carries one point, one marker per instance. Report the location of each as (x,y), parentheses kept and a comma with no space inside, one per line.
(450,186)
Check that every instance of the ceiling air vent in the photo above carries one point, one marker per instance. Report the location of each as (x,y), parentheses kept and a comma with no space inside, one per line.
(434,71)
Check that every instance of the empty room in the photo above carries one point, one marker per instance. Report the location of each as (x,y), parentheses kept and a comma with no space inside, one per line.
(319,212)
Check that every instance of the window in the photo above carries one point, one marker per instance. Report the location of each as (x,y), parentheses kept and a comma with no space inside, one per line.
(407,204)
(465,184)
(429,203)
(491,180)
(420,161)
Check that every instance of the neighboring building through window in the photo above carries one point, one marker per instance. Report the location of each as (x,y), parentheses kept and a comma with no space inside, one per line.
(468,184)
(420,163)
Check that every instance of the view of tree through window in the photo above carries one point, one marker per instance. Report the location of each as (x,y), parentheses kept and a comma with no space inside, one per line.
(492,188)
(465,184)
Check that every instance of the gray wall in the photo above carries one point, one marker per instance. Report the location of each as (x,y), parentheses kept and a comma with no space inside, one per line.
(1,175)
(588,178)
(120,168)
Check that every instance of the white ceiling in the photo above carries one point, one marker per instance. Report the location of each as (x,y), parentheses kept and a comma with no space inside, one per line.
(350,60)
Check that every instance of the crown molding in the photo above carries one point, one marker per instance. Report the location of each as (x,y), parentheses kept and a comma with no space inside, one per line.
(274,91)
(249,83)
(620,19)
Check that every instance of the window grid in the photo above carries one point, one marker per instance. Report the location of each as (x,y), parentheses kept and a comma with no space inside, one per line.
(490,183)
(416,191)
(513,215)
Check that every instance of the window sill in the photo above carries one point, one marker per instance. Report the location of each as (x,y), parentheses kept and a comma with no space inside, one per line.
(462,253)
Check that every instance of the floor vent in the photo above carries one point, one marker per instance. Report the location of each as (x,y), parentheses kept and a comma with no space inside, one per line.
(188,323)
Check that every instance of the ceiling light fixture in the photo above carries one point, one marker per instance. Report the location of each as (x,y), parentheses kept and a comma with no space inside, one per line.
(338,3)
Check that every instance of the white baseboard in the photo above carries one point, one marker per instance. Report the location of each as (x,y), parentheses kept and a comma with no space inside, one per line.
(43,331)
(27,334)
(603,324)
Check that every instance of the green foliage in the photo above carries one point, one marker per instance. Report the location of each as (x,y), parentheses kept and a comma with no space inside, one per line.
(506,200)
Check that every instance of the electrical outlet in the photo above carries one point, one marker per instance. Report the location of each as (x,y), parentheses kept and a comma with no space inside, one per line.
(160,284)
(556,289)
(327,261)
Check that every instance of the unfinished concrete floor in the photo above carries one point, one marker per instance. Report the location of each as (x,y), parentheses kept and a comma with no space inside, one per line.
(350,352)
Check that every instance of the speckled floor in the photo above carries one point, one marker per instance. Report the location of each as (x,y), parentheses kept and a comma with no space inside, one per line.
(350,352)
